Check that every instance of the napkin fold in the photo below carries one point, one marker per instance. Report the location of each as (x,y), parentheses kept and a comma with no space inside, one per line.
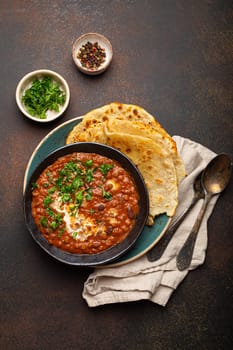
(156,281)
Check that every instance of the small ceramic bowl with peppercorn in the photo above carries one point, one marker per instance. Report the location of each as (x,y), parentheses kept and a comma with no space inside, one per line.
(42,95)
(92,53)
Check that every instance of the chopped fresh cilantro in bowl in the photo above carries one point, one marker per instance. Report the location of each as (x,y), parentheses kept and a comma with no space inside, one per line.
(42,95)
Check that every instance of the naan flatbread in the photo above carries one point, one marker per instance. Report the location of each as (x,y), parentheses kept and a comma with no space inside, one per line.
(114,110)
(163,143)
(136,133)
(143,123)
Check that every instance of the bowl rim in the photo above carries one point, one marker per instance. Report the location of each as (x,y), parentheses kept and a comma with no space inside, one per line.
(29,76)
(107,255)
(102,39)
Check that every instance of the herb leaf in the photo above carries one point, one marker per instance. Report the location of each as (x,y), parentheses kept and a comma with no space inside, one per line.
(107,195)
(104,168)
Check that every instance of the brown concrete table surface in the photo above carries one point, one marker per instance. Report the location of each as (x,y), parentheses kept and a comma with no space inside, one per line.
(174,58)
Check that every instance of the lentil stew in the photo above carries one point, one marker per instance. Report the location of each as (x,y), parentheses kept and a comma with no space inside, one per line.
(85,203)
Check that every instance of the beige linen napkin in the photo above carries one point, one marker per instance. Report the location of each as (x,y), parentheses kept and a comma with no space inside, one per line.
(156,281)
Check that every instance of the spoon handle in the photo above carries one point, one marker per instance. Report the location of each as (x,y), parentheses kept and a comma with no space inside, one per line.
(184,256)
(158,250)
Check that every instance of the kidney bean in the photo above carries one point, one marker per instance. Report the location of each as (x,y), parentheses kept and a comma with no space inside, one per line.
(101,207)
(130,212)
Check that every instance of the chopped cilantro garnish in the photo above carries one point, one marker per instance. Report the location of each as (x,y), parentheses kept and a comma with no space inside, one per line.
(107,195)
(66,197)
(51,190)
(50,212)
(57,221)
(53,225)
(104,168)
(77,182)
(48,200)
(44,94)
(89,175)
(70,166)
(88,163)
(59,182)
(75,235)
(43,221)
(79,198)
(34,186)
(68,188)
(88,194)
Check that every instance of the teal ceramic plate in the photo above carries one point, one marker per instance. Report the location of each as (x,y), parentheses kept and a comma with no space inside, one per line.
(57,138)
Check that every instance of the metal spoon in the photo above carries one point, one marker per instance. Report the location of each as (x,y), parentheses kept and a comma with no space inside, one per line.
(214,180)
(158,250)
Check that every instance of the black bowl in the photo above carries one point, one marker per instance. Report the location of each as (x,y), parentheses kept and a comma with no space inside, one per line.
(112,253)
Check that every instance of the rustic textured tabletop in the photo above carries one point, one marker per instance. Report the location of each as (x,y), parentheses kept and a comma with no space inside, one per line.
(174,58)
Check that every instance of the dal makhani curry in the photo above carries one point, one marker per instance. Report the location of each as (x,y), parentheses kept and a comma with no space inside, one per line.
(85,203)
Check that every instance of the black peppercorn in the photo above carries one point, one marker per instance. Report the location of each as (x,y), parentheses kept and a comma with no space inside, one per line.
(91,55)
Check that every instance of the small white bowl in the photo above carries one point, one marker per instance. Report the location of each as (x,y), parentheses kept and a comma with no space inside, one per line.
(26,82)
(103,42)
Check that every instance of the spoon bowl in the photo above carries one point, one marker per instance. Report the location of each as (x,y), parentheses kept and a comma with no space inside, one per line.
(216,176)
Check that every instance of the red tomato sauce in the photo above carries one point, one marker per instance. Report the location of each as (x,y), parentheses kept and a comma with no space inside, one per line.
(84,203)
